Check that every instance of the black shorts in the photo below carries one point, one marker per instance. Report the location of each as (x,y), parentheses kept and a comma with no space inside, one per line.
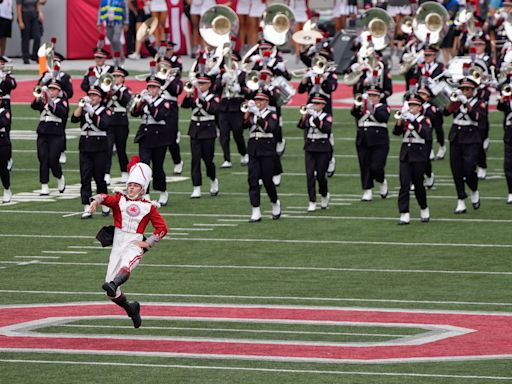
(5,27)
(141,16)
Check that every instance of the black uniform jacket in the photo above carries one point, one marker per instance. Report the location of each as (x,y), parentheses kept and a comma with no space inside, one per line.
(153,131)
(53,117)
(204,110)
(93,135)
(98,71)
(261,133)
(316,132)
(372,125)
(506,107)
(117,103)
(466,118)
(414,132)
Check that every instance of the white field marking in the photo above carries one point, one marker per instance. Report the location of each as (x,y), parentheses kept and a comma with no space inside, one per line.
(215,225)
(180,234)
(87,247)
(294,268)
(288,241)
(233,330)
(66,252)
(72,214)
(249,369)
(431,334)
(37,257)
(239,297)
(236,220)
(191,229)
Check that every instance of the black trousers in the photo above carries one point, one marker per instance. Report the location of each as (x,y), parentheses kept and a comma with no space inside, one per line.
(202,149)
(118,135)
(411,173)
(507,165)
(5,155)
(428,166)
(49,148)
(316,162)
(33,30)
(174,147)
(261,168)
(463,161)
(231,122)
(92,166)
(372,161)
(278,166)
(438,128)
(155,158)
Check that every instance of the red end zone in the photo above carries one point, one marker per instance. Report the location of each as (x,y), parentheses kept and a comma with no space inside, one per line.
(476,336)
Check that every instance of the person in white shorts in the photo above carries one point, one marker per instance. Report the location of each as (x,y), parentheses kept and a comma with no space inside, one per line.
(159,11)
(340,13)
(397,9)
(300,10)
(242,10)
(255,13)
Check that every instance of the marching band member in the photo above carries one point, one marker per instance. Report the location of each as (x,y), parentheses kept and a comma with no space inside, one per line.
(153,135)
(505,105)
(5,151)
(171,89)
(230,117)
(430,68)
(317,123)
(55,73)
(203,132)
(54,110)
(435,117)
(414,127)
(372,141)
(94,73)
(94,119)
(7,84)
(117,134)
(262,124)
(465,141)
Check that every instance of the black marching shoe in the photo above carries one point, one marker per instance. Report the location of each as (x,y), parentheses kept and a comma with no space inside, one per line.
(134,313)
(110,289)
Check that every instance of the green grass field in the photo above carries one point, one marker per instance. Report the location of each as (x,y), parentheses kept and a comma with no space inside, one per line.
(351,255)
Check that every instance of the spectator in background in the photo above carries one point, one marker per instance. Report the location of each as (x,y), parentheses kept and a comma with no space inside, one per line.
(30,20)
(5,23)
(159,11)
(114,16)
(143,13)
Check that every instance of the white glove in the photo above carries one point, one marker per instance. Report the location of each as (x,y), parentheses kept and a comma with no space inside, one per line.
(236,88)
(254,110)
(251,103)
(463,99)
(226,77)
(47,77)
(280,66)
(214,71)
(309,109)
(311,74)
(407,116)
(88,108)
(271,62)
(485,144)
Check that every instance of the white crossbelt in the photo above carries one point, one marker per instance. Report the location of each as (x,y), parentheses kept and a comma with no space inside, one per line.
(259,135)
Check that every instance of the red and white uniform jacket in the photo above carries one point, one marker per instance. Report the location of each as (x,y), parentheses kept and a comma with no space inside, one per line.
(133,216)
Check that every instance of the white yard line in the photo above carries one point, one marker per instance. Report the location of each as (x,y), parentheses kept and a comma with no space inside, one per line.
(251,369)
(215,225)
(66,252)
(283,299)
(37,257)
(87,247)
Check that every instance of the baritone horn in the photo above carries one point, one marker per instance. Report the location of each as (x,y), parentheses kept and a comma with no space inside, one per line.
(277,20)
(252,80)
(218,24)
(106,81)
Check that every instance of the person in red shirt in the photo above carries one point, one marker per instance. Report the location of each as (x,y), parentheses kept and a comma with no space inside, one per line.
(132,213)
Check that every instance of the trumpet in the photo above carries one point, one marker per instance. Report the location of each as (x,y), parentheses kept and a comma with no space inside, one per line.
(358,100)
(303,110)
(83,101)
(454,96)
(39,91)
(506,91)
(140,96)
(398,115)
(188,87)
(244,107)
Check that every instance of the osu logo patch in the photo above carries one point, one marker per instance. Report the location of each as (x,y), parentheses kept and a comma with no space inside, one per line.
(448,335)
(133,210)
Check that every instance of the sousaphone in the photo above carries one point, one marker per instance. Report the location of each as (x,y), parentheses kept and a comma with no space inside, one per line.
(217,25)
(431,22)
(276,22)
(147,28)
(378,24)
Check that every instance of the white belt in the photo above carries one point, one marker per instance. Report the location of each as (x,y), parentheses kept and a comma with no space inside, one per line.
(2,129)
(374,124)
(413,140)
(259,135)
(170,98)
(54,119)
(154,122)
(93,133)
(6,96)
(119,109)
(202,118)
(465,122)
(316,136)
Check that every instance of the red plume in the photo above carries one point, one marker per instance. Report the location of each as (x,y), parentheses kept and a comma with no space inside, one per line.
(134,160)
